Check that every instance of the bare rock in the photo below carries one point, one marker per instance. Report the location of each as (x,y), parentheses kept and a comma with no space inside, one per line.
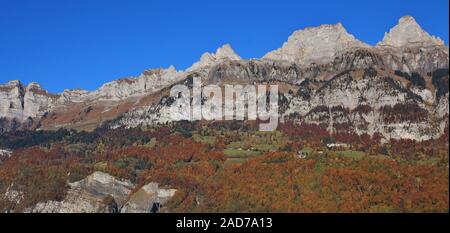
(103,193)
(149,199)
(223,53)
(97,193)
(316,45)
(408,33)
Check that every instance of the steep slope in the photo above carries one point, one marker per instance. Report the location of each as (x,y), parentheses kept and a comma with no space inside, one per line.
(409,48)
(21,107)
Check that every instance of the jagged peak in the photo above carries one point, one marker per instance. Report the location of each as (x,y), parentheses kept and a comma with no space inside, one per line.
(171,68)
(160,71)
(408,33)
(34,85)
(316,44)
(224,52)
(13,83)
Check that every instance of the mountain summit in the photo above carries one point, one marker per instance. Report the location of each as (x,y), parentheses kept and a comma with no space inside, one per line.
(316,44)
(223,53)
(408,33)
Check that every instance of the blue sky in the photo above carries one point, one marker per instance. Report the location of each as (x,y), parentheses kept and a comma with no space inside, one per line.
(85,43)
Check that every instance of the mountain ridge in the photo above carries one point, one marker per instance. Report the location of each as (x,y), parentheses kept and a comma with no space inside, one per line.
(221,52)
(405,61)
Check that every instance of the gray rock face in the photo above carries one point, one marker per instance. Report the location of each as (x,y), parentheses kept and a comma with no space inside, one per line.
(316,45)
(12,100)
(371,105)
(207,59)
(21,103)
(102,193)
(148,82)
(339,92)
(148,199)
(74,96)
(4,154)
(407,33)
(97,193)
(406,47)
(37,101)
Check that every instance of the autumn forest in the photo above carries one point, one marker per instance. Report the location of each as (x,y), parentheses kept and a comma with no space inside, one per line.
(233,167)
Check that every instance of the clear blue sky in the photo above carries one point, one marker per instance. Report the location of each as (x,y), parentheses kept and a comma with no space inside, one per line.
(84,43)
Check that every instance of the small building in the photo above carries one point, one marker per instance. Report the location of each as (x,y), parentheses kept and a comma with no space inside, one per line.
(331,146)
(301,155)
(4,154)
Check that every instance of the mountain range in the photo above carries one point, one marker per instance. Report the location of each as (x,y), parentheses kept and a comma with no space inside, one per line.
(397,88)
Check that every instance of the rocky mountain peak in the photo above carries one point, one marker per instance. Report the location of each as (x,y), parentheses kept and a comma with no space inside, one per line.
(316,45)
(226,52)
(408,33)
(12,84)
(33,86)
(223,53)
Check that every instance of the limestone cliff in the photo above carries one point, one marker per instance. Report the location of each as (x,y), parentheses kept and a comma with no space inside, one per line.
(324,69)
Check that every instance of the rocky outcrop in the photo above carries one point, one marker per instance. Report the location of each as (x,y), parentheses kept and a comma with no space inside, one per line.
(12,195)
(103,193)
(4,154)
(148,199)
(24,103)
(12,100)
(37,101)
(148,82)
(74,96)
(97,193)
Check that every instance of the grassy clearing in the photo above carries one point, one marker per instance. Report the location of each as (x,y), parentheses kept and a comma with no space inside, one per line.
(429,161)
(265,147)
(235,153)
(238,144)
(307,150)
(352,154)
(235,161)
(204,139)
